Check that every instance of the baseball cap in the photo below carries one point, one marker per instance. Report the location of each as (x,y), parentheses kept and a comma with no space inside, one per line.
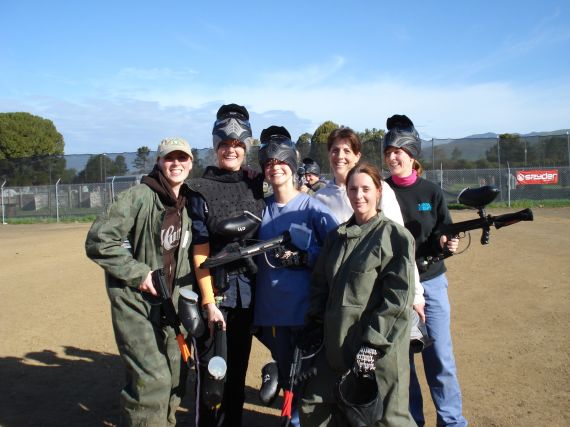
(168,145)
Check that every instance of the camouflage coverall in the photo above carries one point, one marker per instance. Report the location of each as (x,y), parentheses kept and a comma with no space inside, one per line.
(155,376)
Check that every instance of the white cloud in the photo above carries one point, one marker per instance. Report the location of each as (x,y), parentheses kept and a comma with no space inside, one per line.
(439,111)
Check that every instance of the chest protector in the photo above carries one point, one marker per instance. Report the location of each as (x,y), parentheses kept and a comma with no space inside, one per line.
(228,194)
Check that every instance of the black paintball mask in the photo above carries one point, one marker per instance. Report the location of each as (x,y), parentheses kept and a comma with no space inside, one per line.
(276,144)
(402,134)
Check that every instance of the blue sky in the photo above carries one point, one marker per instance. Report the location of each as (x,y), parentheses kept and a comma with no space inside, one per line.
(117,75)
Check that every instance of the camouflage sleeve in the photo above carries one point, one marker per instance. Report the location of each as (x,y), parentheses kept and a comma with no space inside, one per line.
(107,240)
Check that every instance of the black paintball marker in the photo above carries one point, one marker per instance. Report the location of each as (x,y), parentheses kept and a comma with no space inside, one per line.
(233,253)
(172,319)
(476,198)
(288,392)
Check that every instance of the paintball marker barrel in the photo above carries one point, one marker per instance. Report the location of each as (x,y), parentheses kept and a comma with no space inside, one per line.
(233,253)
(476,198)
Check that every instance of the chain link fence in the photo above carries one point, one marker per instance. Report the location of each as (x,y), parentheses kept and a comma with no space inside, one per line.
(75,200)
(79,185)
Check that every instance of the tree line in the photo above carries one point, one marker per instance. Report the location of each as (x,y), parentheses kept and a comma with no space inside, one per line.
(32,153)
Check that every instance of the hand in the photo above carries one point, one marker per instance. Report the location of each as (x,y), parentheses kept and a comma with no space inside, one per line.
(365,362)
(147,286)
(251,173)
(214,315)
(311,337)
(292,257)
(452,244)
(304,188)
(419,308)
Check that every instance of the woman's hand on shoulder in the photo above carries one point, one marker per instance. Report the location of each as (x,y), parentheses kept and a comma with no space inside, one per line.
(251,173)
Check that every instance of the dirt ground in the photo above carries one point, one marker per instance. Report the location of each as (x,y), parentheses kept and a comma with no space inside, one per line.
(59,364)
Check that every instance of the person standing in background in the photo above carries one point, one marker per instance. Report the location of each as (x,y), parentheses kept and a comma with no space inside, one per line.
(312,174)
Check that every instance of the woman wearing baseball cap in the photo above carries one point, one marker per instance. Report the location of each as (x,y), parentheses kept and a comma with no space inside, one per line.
(146,229)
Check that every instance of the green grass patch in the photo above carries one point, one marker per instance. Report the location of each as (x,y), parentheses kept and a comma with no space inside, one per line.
(50,220)
(521,204)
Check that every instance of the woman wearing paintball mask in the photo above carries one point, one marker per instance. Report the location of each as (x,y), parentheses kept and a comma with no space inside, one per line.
(223,194)
(145,229)
(282,293)
(424,210)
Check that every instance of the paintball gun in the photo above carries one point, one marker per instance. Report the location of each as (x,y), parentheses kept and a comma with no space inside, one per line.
(234,252)
(301,370)
(476,198)
(298,235)
(172,319)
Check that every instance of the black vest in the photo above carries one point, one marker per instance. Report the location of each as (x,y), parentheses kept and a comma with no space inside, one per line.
(228,194)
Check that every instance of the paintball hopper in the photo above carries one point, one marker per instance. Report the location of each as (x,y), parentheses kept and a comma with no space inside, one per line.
(238,226)
(189,313)
(213,390)
(358,398)
(478,197)
(269,383)
(419,338)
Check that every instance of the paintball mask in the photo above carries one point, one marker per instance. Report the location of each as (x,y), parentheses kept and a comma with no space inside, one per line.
(402,134)
(276,144)
(419,338)
(359,399)
(232,123)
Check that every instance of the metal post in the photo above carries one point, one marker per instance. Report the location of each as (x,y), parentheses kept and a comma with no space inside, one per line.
(499,160)
(113,188)
(57,201)
(432,156)
(508,185)
(568,143)
(2,193)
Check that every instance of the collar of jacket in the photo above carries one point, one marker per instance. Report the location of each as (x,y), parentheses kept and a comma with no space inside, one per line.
(217,174)
(351,230)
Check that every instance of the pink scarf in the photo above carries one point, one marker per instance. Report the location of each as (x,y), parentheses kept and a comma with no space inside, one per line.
(407,180)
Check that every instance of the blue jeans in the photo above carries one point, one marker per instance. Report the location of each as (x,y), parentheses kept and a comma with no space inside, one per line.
(281,341)
(439,363)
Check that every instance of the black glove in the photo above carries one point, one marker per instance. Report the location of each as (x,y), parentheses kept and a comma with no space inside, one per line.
(291,257)
(310,338)
(365,362)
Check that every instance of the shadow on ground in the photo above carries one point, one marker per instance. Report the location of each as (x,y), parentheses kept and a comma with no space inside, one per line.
(81,387)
